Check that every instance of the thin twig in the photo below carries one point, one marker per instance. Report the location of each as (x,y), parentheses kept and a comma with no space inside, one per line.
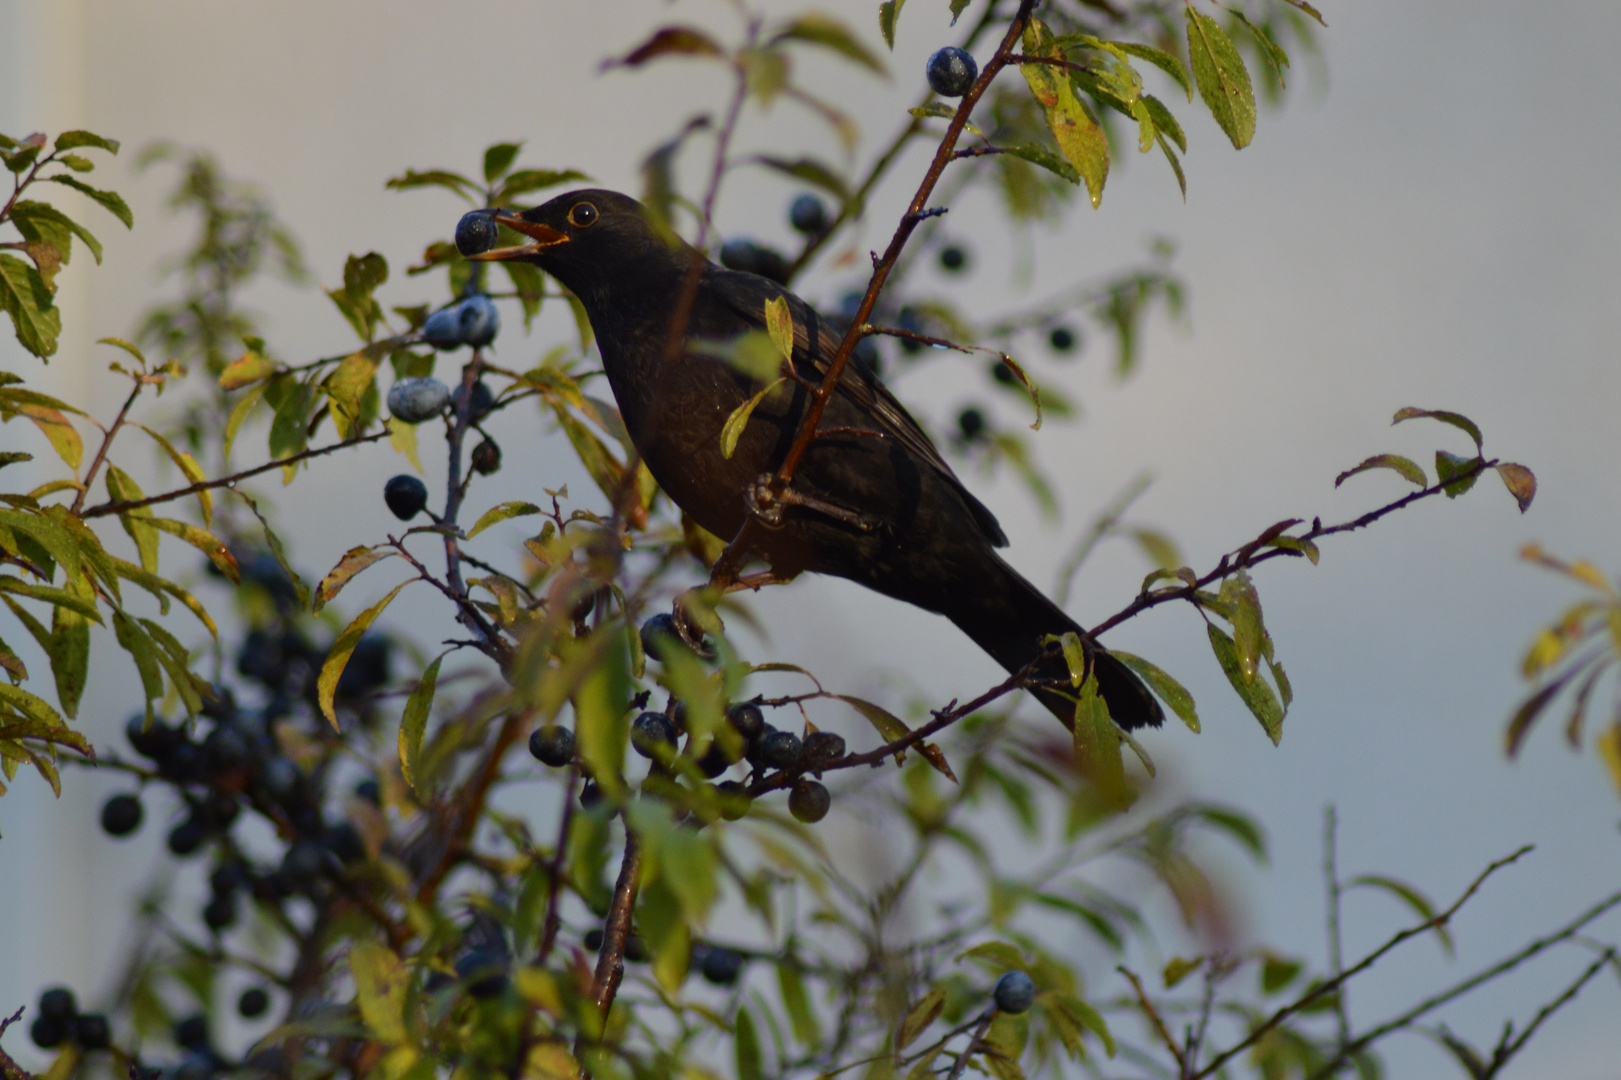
(616,931)
(229,481)
(554,870)
(1153,1014)
(101,451)
(468,806)
(973,1043)
(1336,956)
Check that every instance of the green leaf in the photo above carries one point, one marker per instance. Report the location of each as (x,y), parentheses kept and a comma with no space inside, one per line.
(137,523)
(1406,467)
(26,298)
(70,649)
(1036,154)
(1097,745)
(1249,634)
(1457,420)
(669,41)
(1417,901)
(1256,694)
(1520,483)
(1276,58)
(527,181)
(1167,63)
(1173,693)
(1088,1017)
(779,323)
(498,159)
(1165,125)
(739,419)
(1308,9)
(998,954)
(353,562)
(248,368)
(72,140)
(239,414)
(797,1002)
(382,987)
(343,648)
(603,467)
(502,512)
(602,727)
(809,170)
(919,1017)
(436,178)
(1237,825)
(1278,972)
(1079,136)
(133,639)
(108,199)
(1178,968)
(888,12)
(42,221)
(1224,81)
(1456,474)
(818,28)
(746,1048)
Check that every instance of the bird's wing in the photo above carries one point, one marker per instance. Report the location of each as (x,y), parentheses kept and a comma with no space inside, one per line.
(746,295)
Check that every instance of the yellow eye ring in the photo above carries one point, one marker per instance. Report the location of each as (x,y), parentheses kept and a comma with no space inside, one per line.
(582,215)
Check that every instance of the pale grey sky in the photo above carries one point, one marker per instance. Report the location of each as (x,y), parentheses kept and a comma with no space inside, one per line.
(1435,227)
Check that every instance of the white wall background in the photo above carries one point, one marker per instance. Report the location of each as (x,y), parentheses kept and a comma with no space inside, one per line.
(1436,229)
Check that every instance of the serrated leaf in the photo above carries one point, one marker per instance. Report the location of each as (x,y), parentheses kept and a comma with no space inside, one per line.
(414,722)
(382,987)
(1089,1018)
(42,221)
(1256,694)
(1097,740)
(498,159)
(72,140)
(779,324)
(110,200)
(1520,483)
(70,649)
(353,562)
(1223,80)
(809,170)
(1178,968)
(203,541)
(343,648)
(732,430)
(998,954)
(1454,473)
(888,12)
(1079,136)
(1276,57)
(746,1048)
(137,523)
(1405,467)
(27,299)
(188,467)
(1167,63)
(1407,894)
(819,28)
(450,181)
(56,428)
(669,41)
(528,181)
(248,368)
(1457,420)
(502,512)
(1249,635)
(919,1017)
(1167,689)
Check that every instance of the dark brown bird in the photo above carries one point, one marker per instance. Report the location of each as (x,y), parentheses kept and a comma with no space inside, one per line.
(879,505)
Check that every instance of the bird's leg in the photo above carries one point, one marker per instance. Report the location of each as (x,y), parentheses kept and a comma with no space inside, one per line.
(767,500)
(693,616)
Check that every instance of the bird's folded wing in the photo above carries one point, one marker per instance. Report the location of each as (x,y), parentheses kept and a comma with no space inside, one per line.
(746,294)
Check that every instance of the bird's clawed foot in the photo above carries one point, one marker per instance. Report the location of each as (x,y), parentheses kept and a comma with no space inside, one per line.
(768,500)
(693,616)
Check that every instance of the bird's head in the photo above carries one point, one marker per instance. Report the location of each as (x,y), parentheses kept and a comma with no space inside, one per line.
(585,236)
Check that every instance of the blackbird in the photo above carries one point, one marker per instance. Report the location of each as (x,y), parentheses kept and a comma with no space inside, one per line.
(872,500)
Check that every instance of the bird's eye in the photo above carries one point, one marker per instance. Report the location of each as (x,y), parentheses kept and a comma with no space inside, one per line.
(582,215)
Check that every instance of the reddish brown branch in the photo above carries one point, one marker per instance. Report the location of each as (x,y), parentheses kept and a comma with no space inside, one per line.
(468,806)
(616,931)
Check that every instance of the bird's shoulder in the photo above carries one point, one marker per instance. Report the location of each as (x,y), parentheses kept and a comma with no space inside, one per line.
(815,342)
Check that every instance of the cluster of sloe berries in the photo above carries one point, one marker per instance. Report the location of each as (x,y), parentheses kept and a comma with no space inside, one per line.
(473,320)
(60,1021)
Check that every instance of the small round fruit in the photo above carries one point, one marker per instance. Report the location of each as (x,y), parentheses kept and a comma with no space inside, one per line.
(952,71)
(191,1033)
(822,748)
(58,1005)
(780,750)
(1062,339)
(1003,374)
(590,794)
(485,972)
(406,496)
(479,321)
(121,815)
(47,1033)
(476,233)
(443,330)
(1014,992)
(253,1003)
(486,458)
(226,749)
(653,735)
(593,939)
(970,424)
(148,740)
(304,862)
(635,949)
(345,841)
(734,800)
(715,760)
(219,913)
(808,215)
(552,745)
(92,1032)
(411,401)
(186,837)
(747,720)
(483,398)
(722,966)
(370,791)
(953,258)
(658,634)
(809,801)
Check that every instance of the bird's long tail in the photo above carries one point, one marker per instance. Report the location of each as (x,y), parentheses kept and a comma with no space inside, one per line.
(1010,618)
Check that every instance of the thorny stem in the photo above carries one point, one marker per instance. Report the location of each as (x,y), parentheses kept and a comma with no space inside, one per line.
(1331,985)
(101,452)
(616,931)
(1255,552)
(883,266)
(1362,1042)
(1153,1015)
(229,481)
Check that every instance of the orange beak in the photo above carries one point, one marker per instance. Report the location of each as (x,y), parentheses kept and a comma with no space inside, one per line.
(544,236)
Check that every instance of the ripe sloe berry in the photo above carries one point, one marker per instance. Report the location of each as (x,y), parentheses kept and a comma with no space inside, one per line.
(779,749)
(734,800)
(552,745)
(478,321)
(483,398)
(411,401)
(121,815)
(253,1003)
(809,801)
(971,424)
(186,837)
(593,939)
(92,1032)
(1014,992)
(304,862)
(1003,374)
(191,1033)
(746,719)
(46,1033)
(722,966)
(952,71)
(953,258)
(652,735)
(148,740)
(345,841)
(220,912)
(715,760)
(58,1005)
(635,949)
(658,634)
(443,330)
(405,496)
(1062,339)
(485,972)
(823,748)
(476,233)
(370,790)
(486,457)
(226,749)
(808,215)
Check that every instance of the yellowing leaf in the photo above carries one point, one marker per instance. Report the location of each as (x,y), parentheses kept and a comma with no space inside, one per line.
(779,323)
(343,648)
(919,1017)
(1079,136)
(353,562)
(415,721)
(382,982)
(735,423)
(248,368)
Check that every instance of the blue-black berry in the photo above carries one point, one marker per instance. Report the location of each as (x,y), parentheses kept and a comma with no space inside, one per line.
(443,330)
(191,1033)
(970,424)
(779,749)
(746,719)
(476,232)
(809,801)
(734,800)
(406,496)
(485,972)
(253,1003)
(411,401)
(1062,339)
(121,815)
(552,745)
(952,71)
(808,215)
(652,735)
(478,320)
(58,1005)
(722,966)
(92,1032)
(953,258)
(1014,992)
